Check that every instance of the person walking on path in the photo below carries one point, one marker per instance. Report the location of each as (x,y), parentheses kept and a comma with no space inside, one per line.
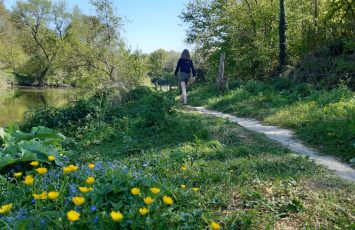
(184,67)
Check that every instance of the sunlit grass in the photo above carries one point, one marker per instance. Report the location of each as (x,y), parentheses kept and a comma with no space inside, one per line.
(325,119)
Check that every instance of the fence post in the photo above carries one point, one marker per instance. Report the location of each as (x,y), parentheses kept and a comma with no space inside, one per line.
(221,80)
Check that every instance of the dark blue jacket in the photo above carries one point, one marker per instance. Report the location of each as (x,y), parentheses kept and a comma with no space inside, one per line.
(185,65)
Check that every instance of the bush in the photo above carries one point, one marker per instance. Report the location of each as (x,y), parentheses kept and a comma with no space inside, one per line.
(253,86)
(328,66)
(94,120)
(59,118)
(94,133)
(152,108)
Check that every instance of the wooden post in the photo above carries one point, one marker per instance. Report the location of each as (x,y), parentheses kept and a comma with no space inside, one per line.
(221,80)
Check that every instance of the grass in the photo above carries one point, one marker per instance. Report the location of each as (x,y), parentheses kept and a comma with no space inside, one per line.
(245,181)
(323,119)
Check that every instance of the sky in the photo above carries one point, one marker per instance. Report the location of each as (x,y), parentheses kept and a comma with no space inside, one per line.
(148,25)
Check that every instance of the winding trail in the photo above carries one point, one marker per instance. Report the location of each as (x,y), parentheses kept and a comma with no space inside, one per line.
(287,139)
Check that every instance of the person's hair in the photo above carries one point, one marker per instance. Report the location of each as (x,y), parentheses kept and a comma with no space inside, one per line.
(185,54)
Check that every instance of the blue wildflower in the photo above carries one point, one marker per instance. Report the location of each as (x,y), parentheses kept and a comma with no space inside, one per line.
(72,189)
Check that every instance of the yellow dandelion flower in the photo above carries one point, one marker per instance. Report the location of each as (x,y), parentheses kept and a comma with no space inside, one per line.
(215,226)
(70,168)
(18,174)
(5,208)
(183,168)
(73,167)
(90,180)
(66,169)
(155,190)
(148,200)
(51,158)
(34,163)
(53,195)
(28,180)
(116,216)
(143,211)
(195,189)
(78,200)
(183,186)
(41,171)
(168,200)
(41,196)
(73,216)
(85,189)
(91,166)
(135,191)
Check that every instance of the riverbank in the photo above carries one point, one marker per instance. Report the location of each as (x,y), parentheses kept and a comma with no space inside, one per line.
(149,141)
(10,79)
(324,119)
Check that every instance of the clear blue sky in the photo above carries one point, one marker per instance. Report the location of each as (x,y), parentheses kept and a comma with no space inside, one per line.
(150,24)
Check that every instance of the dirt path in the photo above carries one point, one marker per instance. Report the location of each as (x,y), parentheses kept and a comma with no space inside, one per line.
(287,139)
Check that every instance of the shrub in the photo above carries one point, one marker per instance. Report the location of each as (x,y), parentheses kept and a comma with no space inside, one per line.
(95,133)
(327,66)
(59,117)
(152,108)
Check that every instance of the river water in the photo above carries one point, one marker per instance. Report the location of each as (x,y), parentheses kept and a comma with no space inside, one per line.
(15,102)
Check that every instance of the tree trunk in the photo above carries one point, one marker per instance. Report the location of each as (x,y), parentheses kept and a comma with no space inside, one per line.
(221,80)
(282,36)
(42,76)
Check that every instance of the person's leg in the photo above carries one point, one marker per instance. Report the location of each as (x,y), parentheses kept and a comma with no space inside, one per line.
(183,95)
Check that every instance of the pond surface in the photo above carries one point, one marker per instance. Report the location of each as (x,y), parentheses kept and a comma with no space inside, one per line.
(15,102)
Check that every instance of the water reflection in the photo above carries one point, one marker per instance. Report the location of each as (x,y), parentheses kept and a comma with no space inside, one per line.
(14,102)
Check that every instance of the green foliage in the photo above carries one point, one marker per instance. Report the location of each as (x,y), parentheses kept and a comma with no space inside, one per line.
(156,60)
(62,118)
(152,108)
(100,118)
(37,145)
(247,32)
(244,181)
(46,44)
(162,62)
(328,66)
(95,133)
(12,55)
(112,192)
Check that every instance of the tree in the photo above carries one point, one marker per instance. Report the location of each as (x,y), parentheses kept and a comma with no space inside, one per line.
(35,16)
(156,62)
(11,53)
(252,34)
(282,35)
